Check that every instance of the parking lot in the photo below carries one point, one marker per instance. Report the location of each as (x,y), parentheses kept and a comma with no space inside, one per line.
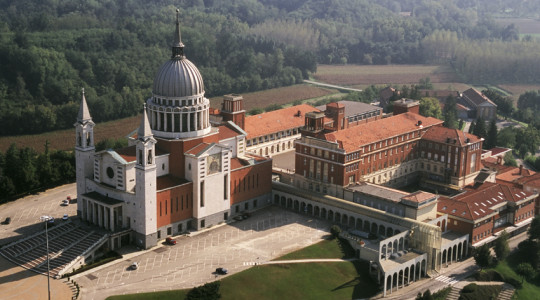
(267,234)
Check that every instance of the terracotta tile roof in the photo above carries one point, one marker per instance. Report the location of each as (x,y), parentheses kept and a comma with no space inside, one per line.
(236,163)
(419,197)
(352,138)
(130,155)
(335,104)
(277,120)
(532,180)
(499,150)
(168,181)
(476,202)
(476,97)
(441,134)
(225,132)
(513,173)
(198,149)
(462,107)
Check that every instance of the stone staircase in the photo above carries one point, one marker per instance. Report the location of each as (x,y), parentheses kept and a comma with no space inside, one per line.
(507,292)
(454,293)
(67,241)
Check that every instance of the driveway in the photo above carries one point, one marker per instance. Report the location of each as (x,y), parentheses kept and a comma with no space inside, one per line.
(268,234)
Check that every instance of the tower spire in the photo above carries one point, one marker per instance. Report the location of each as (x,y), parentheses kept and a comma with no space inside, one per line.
(144,131)
(178,46)
(84,113)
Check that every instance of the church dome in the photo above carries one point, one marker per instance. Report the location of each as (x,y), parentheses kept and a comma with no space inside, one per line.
(178,77)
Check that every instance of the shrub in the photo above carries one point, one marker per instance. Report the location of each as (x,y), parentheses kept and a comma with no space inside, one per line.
(489,275)
(513,281)
(208,291)
(335,230)
(470,288)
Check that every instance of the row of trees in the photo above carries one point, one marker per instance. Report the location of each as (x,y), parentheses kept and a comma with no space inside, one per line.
(23,170)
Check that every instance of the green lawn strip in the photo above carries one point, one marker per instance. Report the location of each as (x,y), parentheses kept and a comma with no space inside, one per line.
(164,295)
(482,292)
(530,290)
(323,249)
(301,281)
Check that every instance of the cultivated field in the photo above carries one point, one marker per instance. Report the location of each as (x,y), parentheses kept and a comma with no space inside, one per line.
(65,139)
(362,75)
(283,95)
(517,89)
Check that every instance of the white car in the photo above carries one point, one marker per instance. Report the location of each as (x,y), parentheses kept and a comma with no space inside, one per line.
(65,217)
(65,202)
(134,266)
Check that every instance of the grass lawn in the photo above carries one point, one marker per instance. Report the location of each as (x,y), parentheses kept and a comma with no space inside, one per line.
(324,249)
(343,280)
(481,292)
(530,290)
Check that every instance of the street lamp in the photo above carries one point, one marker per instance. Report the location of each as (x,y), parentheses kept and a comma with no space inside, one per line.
(46,220)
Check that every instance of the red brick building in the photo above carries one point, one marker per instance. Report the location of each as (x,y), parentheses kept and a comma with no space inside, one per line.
(484,210)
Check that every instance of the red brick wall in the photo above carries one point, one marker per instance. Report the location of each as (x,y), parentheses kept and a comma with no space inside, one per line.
(521,214)
(461,226)
(251,182)
(175,195)
(486,229)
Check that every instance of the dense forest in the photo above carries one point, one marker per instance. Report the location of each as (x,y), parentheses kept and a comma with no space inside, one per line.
(50,49)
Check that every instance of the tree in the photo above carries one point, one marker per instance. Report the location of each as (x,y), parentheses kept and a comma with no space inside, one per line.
(480,128)
(450,113)
(335,230)
(482,256)
(501,246)
(525,270)
(507,137)
(471,128)
(509,160)
(429,107)
(426,296)
(491,139)
(534,230)
(425,84)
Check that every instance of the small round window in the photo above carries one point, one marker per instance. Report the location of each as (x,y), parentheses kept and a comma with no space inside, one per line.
(110,172)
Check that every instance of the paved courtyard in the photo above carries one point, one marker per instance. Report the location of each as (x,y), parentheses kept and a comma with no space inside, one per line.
(268,234)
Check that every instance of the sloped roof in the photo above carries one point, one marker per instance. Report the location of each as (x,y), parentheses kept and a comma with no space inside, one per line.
(277,120)
(419,197)
(168,181)
(476,97)
(513,173)
(352,108)
(352,138)
(532,180)
(130,153)
(441,134)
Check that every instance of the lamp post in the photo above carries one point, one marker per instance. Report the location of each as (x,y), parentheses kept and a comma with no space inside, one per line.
(46,220)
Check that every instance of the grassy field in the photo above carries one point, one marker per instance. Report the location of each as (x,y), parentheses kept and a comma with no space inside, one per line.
(362,75)
(283,95)
(342,280)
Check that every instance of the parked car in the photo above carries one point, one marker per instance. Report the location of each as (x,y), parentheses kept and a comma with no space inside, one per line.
(7,221)
(238,218)
(65,202)
(134,266)
(51,220)
(221,271)
(170,241)
(65,217)
(246,215)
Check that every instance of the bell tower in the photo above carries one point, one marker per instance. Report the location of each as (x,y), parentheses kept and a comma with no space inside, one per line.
(145,212)
(84,150)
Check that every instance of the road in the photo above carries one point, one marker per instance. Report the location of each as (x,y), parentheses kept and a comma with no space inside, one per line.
(332,86)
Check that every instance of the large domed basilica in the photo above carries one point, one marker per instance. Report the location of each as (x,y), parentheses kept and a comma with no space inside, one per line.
(179,172)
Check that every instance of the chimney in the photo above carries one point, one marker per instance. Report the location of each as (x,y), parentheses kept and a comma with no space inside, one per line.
(520,169)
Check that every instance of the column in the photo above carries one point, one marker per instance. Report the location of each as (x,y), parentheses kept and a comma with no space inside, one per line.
(384,289)
(98,215)
(182,116)
(195,123)
(94,213)
(111,218)
(158,126)
(172,121)
(189,121)
(165,121)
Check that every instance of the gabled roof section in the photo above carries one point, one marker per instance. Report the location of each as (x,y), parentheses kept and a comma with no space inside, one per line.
(230,130)
(532,180)
(445,135)
(354,137)
(277,120)
(129,154)
(477,98)
(202,148)
(168,182)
